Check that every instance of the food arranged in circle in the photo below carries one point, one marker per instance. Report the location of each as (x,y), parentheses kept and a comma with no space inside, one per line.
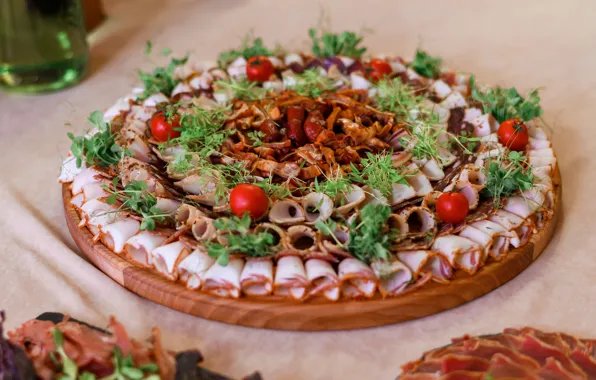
(304,175)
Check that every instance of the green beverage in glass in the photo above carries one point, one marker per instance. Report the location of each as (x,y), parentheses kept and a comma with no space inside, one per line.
(42,45)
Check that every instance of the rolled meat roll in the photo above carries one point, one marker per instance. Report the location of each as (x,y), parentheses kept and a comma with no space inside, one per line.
(323,279)
(257,277)
(69,170)
(357,279)
(167,257)
(94,190)
(96,214)
(85,177)
(115,235)
(414,260)
(499,235)
(193,268)
(224,281)
(459,252)
(290,277)
(394,276)
(138,248)
(439,268)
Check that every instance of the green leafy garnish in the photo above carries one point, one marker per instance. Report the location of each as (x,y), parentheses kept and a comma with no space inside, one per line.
(136,198)
(507,103)
(274,190)
(377,172)
(250,48)
(328,228)
(166,51)
(395,96)
(426,65)
(331,44)
(312,84)
(506,175)
(256,137)
(148,47)
(334,186)
(100,148)
(240,240)
(161,80)
(69,367)
(242,89)
(369,239)
(124,368)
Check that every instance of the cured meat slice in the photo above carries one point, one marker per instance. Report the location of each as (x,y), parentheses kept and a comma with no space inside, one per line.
(193,268)
(357,279)
(224,281)
(290,277)
(257,277)
(323,279)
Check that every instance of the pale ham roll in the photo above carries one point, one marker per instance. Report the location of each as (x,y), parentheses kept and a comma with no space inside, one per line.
(203,229)
(479,237)
(537,132)
(539,144)
(539,161)
(193,268)
(85,177)
(323,279)
(167,257)
(257,277)
(546,152)
(440,88)
(290,277)
(524,206)
(224,281)
(459,252)
(471,194)
(122,104)
(138,248)
(77,201)
(454,100)
(510,222)
(401,192)
(97,214)
(69,170)
(357,279)
(420,183)
(168,206)
(394,276)
(115,235)
(94,190)
(484,125)
(500,235)
(432,170)
(439,268)
(414,260)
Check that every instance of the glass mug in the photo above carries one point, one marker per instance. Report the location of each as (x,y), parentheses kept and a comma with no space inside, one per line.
(43,45)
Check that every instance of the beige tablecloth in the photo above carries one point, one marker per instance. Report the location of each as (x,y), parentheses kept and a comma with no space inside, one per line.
(549,44)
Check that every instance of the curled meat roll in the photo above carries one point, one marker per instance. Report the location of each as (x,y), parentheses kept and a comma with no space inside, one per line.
(166,259)
(224,281)
(256,278)
(290,277)
(323,279)
(192,268)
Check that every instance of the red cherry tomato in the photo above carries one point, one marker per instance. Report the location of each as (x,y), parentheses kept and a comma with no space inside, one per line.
(259,69)
(164,129)
(513,133)
(452,207)
(378,68)
(249,198)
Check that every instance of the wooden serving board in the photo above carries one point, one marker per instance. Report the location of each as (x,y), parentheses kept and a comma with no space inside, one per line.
(317,314)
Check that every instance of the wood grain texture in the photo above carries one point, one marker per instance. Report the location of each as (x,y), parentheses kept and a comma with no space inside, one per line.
(317,314)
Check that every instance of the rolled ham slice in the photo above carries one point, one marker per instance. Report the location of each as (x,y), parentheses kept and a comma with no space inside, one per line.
(167,257)
(459,252)
(138,248)
(290,277)
(224,281)
(85,177)
(394,276)
(257,277)
(439,268)
(77,201)
(479,237)
(357,279)
(94,190)
(499,235)
(69,170)
(323,279)
(115,235)
(193,268)
(414,260)
(97,214)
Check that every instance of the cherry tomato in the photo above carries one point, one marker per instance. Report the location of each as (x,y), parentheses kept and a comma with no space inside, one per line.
(164,129)
(452,207)
(259,69)
(249,198)
(378,68)
(513,133)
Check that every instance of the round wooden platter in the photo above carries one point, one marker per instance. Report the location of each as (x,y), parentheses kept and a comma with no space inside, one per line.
(317,314)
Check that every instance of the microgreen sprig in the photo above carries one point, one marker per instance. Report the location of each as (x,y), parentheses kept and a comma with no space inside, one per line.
(275,190)
(334,186)
(395,96)
(326,44)
(507,174)
(311,84)
(100,148)
(256,137)
(378,172)
(242,89)
(136,198)
(425,65)
(161,79)
(240,239)
(369,239)
(507,103)
(250,47)
(328,228)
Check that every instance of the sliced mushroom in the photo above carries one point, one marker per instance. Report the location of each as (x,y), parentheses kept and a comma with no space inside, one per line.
(203,229)
(286,212)
(280,236)
(420,221)
(349,201)
(187,215)
(302,239)
(317,206)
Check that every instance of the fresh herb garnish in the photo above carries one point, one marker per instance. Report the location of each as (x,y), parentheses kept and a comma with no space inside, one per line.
(312,84)
(395,96)
(69,367)
(507,103)
(331,44)
(328,228)
(100,148)
(240,239)
(334,186)
(242,89)
(506,175)
(256,136)
(166,51)
(369,239)
(250,48)
(377,172)
(148,47)
(161,80)
(274,190)
(425,65)
(136,198)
